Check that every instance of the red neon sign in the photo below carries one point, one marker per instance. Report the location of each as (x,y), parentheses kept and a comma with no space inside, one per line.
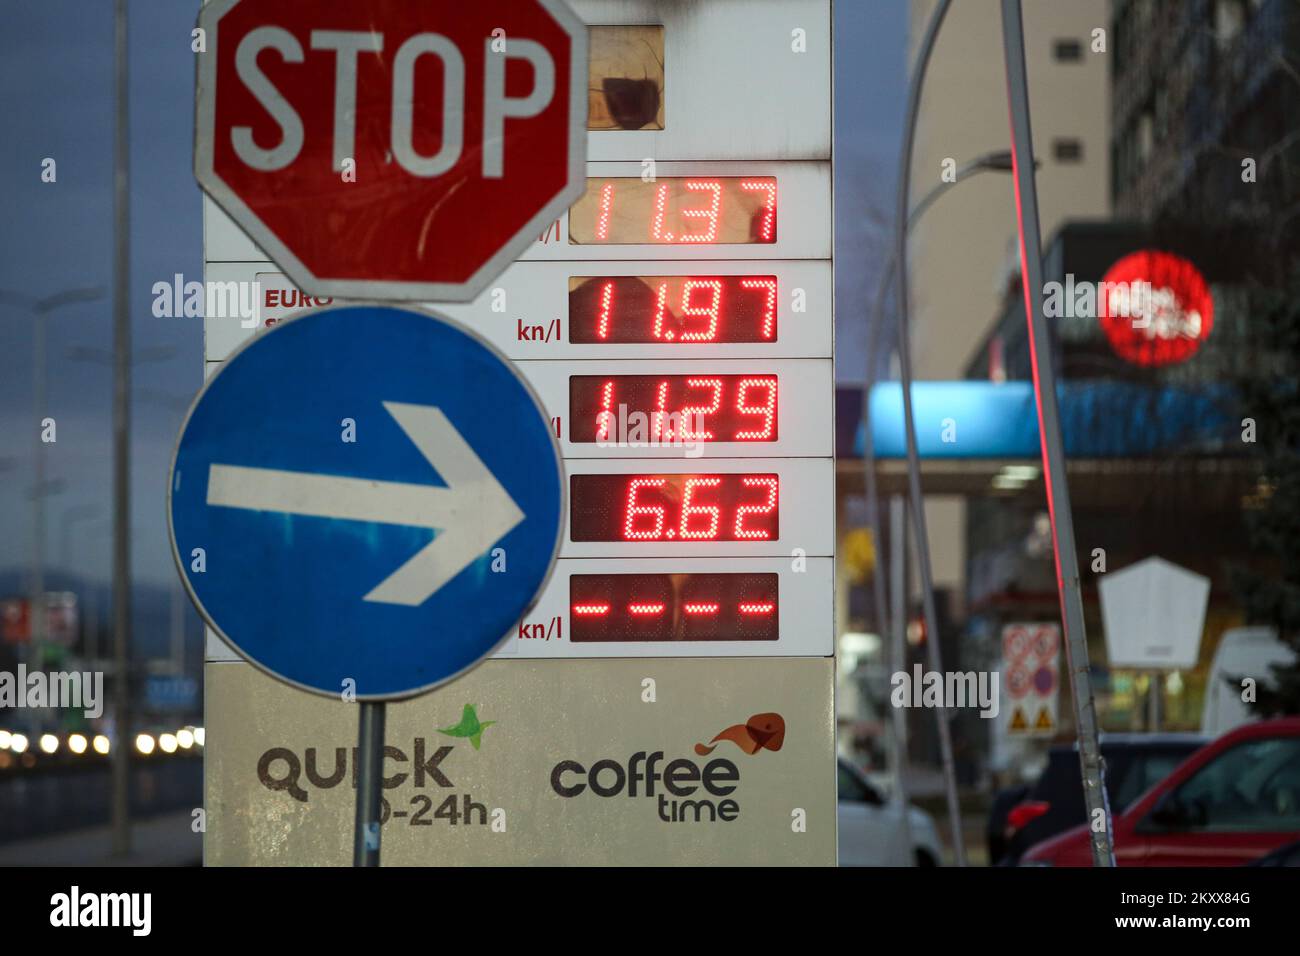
(1155,308)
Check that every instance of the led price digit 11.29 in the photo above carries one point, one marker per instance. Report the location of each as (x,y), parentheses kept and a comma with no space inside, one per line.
(669,409)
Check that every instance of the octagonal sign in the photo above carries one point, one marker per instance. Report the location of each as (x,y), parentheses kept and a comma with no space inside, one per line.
(391,149)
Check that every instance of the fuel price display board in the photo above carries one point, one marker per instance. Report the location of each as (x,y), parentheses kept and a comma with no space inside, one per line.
(676,324)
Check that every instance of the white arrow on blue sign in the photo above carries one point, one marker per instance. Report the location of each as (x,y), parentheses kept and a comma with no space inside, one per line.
(366,494)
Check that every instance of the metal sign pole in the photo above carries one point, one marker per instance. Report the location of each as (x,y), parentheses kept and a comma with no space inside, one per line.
(1049,424)
(370,781)
(898,648)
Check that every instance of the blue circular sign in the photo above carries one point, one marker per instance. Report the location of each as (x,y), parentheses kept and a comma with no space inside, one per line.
(366,494)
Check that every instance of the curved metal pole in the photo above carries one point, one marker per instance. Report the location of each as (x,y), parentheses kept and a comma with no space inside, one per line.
(913,459)
(999,161)
(1049,429)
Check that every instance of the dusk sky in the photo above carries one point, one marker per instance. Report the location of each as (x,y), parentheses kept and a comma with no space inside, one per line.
(56,80)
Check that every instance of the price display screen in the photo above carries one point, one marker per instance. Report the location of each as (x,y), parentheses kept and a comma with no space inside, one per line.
(675,211)
(662,309)
(629,409)
(722,507)
(673,607)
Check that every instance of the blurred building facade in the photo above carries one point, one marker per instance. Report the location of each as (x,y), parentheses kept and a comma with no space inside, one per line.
(1142,145)
(964,249)
(1205,147)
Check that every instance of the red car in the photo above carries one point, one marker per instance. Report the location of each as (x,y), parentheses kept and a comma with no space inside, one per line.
(1230,803)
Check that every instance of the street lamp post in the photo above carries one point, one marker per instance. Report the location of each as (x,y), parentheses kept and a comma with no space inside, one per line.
(998,161)
(122,360)
(71,518)
(178,405)
(121,433)
(39,309)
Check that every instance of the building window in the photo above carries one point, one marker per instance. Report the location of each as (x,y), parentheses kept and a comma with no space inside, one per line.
(1067,51)
(1067,150)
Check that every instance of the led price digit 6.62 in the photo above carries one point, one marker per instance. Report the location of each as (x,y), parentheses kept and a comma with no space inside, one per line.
(721,507)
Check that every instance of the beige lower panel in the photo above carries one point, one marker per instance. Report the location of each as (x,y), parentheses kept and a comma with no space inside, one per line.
(544,712)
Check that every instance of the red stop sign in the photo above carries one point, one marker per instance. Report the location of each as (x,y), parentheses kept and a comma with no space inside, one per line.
(392,149)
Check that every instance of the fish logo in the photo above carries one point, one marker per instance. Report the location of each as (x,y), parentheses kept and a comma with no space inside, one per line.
(470,726)
(760,732)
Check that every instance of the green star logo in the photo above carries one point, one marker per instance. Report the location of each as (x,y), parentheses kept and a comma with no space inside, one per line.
(469,727)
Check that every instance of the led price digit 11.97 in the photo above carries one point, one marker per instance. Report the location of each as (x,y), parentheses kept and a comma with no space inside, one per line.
(672,309)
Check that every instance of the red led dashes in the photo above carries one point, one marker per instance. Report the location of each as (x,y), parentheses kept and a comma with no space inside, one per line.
(657,607)
(693,608)
(700,609)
